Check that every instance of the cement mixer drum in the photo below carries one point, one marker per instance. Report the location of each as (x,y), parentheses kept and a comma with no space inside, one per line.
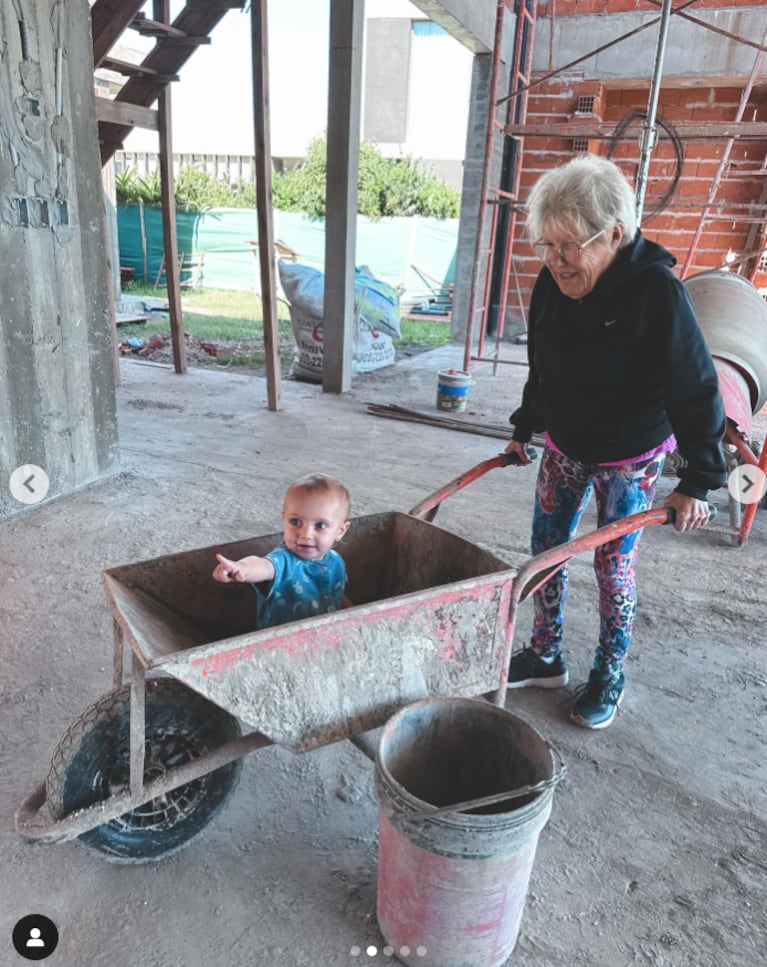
(733,317)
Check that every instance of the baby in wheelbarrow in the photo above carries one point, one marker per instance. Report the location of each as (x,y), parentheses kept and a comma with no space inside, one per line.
(304,576)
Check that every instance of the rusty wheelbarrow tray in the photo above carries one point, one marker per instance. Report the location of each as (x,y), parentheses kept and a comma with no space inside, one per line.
(144,770)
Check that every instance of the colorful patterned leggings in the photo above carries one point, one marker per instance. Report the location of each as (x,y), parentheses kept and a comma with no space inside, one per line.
(562,492)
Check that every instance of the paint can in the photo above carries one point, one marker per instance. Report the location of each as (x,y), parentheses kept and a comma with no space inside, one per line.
(452,887)
(453,389)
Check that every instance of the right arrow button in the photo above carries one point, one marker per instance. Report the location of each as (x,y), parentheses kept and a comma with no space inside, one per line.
(747,484)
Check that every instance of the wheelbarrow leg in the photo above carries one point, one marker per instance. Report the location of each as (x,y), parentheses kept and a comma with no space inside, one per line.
(137,726)
(117,659)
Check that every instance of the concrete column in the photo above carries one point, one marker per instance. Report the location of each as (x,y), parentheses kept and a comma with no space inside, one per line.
(470,196)
(347,19)
(57,405)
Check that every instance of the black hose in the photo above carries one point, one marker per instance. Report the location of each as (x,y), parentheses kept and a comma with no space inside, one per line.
(620,134)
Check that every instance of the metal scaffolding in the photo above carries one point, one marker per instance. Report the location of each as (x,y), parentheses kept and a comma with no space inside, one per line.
(496,262)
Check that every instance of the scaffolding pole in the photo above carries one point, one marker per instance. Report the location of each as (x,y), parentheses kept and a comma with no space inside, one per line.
(650,131)
(724,161)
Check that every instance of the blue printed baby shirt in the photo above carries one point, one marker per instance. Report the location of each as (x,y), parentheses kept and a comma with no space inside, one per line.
(300,589)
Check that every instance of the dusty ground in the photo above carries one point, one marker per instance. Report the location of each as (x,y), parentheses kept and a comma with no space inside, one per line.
(655,850)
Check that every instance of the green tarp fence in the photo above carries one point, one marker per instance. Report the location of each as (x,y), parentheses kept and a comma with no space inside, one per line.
(389,246)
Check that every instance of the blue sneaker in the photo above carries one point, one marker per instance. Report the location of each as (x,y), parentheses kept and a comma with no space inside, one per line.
(598,699)
(527,668)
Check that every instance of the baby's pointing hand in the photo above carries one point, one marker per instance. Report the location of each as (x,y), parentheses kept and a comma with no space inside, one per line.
(227,571)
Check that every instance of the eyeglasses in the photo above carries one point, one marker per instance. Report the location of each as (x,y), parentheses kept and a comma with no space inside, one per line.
(567,251)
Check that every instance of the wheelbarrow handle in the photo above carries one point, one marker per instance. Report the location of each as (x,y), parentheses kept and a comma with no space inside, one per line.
(537,570)
(428,507)
(32,825)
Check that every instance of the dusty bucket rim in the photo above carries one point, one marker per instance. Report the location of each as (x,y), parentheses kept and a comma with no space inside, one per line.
(413,811)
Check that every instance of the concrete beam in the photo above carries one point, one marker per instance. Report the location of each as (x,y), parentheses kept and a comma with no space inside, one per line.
(743,130)
(692,51)
(471,22)
(347,20)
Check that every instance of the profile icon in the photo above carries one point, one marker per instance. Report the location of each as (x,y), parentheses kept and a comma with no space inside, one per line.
(35,937)
(35,940)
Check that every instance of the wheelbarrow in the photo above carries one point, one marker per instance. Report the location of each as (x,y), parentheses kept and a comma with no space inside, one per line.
(143,771)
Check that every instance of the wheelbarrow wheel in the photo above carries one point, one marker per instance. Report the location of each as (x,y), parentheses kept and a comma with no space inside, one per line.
(91,763)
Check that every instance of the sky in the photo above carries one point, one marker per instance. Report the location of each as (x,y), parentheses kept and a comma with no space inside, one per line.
(215,92)
(212,104)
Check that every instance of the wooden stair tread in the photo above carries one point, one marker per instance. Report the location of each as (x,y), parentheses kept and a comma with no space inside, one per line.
(129,69)
(155,28)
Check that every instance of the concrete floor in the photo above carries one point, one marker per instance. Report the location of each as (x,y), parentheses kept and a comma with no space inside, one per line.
(655,850)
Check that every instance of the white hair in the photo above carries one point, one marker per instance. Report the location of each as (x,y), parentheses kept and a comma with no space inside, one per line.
(588,193)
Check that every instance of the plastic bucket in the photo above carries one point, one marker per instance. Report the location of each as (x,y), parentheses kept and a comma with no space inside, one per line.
(452,389)
(452,887)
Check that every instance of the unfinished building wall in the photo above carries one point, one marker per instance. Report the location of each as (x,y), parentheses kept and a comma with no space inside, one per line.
(57,406)
(704,75)
(728,230)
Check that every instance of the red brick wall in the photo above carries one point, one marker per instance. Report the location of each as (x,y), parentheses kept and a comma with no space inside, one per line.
(724,234)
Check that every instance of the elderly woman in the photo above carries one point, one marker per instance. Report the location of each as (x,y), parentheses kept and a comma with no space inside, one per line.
(619,375)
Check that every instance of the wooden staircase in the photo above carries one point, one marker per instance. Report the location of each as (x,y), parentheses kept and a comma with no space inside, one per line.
(175,44)
(149,82)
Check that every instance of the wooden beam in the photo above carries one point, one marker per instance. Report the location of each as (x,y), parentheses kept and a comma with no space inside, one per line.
(126,115)
(166,58)
(109,18)
(263,169)
(170,236)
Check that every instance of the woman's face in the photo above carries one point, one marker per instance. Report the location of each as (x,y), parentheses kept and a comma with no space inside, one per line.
(576,272)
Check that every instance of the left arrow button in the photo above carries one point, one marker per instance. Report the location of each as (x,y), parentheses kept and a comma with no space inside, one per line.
(29,484)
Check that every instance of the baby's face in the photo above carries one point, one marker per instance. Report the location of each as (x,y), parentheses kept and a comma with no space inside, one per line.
(312,523)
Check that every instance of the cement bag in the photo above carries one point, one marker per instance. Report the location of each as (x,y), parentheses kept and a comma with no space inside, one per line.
(376,309)
(372,350)
(307,356)
(304,287)
(376,302)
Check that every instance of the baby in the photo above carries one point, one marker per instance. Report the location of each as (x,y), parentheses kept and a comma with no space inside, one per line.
(304,576)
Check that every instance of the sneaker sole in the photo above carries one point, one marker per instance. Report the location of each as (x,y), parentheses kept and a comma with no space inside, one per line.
(556,681)
(580,720)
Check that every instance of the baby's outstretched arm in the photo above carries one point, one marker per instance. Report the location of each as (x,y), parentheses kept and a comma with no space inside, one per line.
(248,569)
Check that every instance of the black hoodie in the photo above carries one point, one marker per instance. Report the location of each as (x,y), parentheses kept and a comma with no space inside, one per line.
(612,375)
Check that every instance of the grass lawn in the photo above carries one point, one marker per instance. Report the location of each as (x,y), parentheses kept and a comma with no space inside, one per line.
(230,322)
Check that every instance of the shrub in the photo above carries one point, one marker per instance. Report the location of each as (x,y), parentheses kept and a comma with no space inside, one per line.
(195,190)
(387,186)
